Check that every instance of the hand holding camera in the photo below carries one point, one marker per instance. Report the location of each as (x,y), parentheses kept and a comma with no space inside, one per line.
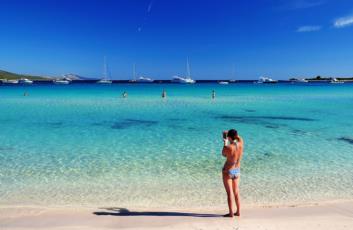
(225,135)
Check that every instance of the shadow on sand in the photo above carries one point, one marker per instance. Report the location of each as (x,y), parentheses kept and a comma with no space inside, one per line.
(127,212)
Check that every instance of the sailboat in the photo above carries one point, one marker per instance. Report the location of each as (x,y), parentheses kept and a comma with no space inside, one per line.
(105,79)
(133,73)
(232,80)
(184,80)
(25,81)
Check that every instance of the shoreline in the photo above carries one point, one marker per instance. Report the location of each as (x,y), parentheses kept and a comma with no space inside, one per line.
(333,215)
(214,208)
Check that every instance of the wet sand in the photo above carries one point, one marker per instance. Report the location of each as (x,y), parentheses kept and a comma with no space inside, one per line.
(335,215)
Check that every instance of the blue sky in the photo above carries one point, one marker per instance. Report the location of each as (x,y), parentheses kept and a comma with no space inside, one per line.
(223,39)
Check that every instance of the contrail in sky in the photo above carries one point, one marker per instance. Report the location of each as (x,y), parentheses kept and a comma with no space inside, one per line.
(149,8)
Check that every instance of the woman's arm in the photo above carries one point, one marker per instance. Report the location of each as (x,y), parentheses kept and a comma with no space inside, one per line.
(226,149)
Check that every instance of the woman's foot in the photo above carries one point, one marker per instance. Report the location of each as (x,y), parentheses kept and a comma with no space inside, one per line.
(237,213)
(228,215)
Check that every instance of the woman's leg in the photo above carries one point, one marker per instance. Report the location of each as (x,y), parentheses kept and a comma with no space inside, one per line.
(235,184)
(228,186)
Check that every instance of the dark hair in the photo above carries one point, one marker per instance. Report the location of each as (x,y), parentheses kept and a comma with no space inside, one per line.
(232,133)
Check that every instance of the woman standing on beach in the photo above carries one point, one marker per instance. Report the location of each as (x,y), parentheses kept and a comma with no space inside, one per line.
(233,151)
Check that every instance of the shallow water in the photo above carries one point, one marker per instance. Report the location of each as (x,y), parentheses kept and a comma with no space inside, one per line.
(82,144)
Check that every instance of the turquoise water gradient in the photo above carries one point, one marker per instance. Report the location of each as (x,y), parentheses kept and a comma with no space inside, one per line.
(82,144)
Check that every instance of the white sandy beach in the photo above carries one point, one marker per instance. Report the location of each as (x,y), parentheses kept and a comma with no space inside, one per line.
(338,215)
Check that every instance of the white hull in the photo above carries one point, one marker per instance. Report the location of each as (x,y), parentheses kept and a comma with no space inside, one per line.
(182,80)
(223,83)
(186,80)
(11,82)
(145,80)
(299,81)
(61,82)
(25,81)
(266,80)
(335,81)
(104,82)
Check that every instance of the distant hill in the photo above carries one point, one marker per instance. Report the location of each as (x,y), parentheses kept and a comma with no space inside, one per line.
(77,77)
(319,78)
(12,76)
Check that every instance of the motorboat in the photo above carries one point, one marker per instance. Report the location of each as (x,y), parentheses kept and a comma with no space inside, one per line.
(302,80)
(11,82)
(335,81)
(223,82)
(25,81)
(145,79)
(266,80)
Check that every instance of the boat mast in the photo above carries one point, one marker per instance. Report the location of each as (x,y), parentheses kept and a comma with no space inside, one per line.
(105,69)
(233,72)
(188,68)
(134,72)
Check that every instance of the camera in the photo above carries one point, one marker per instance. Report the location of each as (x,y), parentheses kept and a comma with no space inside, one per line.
(225,134)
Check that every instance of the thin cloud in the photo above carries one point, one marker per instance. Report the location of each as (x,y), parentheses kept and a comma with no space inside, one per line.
(303,29)
(343,22)
(301,4)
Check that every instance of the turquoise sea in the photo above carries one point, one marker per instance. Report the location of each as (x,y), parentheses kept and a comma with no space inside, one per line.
(82,144)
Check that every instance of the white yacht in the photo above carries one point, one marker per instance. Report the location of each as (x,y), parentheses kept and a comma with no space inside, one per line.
(25,81)
(105,79)
(145,79)
(11,81)
(266,80)
(61,81)
(223,82)
(335,81)
(301,80)
(184,80)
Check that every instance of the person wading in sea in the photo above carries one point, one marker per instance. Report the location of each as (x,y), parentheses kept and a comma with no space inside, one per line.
(164,94)
(233,151)
(124,94)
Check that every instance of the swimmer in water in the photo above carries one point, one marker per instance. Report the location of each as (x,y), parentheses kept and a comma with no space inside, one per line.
(124,94)
(164,94)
